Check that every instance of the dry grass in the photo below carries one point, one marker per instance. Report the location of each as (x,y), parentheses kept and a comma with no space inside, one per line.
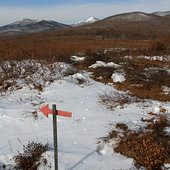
(149,147)
(114,99)
(31,155)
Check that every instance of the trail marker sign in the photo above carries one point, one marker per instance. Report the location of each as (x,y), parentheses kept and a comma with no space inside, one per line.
(45,110)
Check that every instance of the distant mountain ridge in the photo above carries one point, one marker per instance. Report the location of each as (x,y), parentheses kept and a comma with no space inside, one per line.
(25,22)
(31,26)
(132,25)
(162,14)
(127,23)
(133,17)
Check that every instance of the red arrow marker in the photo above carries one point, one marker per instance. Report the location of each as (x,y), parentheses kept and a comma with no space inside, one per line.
(63,113)
(45,110)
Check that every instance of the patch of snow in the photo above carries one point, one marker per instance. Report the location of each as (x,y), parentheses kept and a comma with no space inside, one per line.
(78,76)
(128,57)
(106,148)
(167,166)
(166,90)
(75,58)
(47,161)
(118,77)
(25,22)
(103,64)
(87,21)
(91,20)
(159,58)
(166,13)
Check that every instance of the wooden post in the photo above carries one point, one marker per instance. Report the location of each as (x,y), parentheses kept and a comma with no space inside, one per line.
(55,137)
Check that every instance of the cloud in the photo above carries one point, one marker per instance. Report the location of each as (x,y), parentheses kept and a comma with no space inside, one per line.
(73,13)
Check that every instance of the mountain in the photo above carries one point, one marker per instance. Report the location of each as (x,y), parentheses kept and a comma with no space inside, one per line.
(133,17)
(130,17)
(25,22)
(133,25)
(85,22)
(162,14)
(31,26)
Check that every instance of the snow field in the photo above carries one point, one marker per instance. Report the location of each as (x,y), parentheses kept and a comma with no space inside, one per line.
(77,136)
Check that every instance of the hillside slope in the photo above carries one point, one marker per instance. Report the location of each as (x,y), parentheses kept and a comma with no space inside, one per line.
(30,26)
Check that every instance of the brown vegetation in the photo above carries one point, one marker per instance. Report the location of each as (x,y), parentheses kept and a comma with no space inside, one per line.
(31,155)
(145,77)
(149,147)
(114,99)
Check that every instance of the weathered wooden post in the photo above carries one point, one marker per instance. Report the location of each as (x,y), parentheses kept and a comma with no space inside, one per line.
(55,137)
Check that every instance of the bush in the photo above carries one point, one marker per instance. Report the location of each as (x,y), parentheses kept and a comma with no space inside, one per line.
(31,155)
(158,48)
(145,79)
(149,147)
(113,99)
(105,72)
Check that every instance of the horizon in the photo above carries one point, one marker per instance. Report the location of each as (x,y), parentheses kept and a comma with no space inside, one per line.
(84,18)
(67,12)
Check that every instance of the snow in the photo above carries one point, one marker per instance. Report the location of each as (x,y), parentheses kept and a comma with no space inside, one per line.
(166,13)
(159,58)
(87,21)
(75,58)
(118,77)
(91,20)
(132,17)
(77,136)
(25,22)
(103,64)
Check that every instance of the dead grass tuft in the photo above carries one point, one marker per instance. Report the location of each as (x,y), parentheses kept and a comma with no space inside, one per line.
(31,155)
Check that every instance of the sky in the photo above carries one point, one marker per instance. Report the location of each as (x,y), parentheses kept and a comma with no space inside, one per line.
(72,11)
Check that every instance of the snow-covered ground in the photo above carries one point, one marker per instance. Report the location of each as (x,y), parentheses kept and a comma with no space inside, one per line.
(77,136)
(103,64)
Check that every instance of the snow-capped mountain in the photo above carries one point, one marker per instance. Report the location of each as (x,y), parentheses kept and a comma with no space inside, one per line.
(31,26)
(25,22)
(131,17)
(85,22)
(162,14)
(128,25)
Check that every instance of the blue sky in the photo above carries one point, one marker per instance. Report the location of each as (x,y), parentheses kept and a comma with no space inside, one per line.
(71,11)
(41,3)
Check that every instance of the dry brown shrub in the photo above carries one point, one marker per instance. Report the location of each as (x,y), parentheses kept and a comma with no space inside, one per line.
(147,120)
(159,48)
(113,99)
(122,126)
(31,155)
(153,114)
(144,92)
(104,72)
(145,78)
(149,147)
